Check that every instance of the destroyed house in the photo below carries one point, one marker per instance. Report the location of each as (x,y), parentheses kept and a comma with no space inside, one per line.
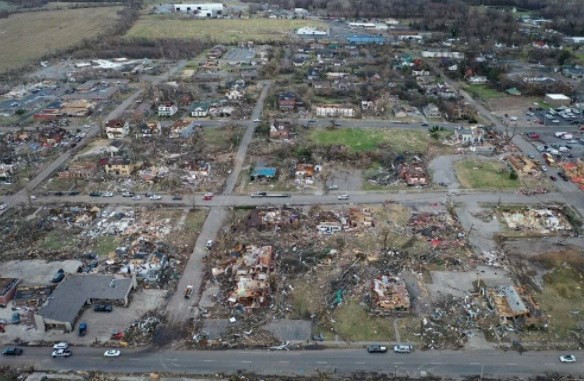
(7,290)
(120,166)
(182,129)
(146,266)
(390,294)
(117,128)
(507,303)
(150,129)
(251,271)
(280,130)
(65,303)
(286,101)
(413,174)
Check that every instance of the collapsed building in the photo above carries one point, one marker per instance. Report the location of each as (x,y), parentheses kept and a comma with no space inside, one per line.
(389,294)
(250,268)
(513,305)
(543,221)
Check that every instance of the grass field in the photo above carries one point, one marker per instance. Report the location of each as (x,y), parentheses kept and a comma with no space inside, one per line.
(27,37)
(484,174)
(369,139)
(483,91)
(221,31)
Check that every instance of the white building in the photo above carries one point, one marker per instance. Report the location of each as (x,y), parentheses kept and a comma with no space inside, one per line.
(453,55)
(309,31)
(201,9)
(117,129)
(167,109)
(335,110)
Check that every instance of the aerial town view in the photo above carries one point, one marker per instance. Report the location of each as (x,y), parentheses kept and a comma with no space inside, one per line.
(291,190)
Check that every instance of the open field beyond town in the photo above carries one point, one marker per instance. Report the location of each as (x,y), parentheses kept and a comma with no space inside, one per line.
(220,31)
(30,36)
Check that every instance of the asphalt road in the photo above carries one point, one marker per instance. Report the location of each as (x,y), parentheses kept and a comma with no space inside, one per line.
(306,362)
(487,196)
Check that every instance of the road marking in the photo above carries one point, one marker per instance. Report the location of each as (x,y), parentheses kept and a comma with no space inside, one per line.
(134,359)
(435,363)
(322,362)
(208,360)
(360,362)
(246,361)
(474,363)
(511,363)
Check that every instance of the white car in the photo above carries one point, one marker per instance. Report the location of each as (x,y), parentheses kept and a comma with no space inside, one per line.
(155,197)
(112,353)
(209,244)
(403,348)
(108,194)
(343,197)
(61,345)
(61,353)
(33,197)
(544,168)
(137,198)
(3,206)
(257,120)
(568,358)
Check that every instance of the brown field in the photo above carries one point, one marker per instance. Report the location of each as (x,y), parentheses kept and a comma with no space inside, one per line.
(27,37)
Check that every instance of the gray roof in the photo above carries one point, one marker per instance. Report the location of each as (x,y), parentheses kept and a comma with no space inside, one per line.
(514,300)
(75,290)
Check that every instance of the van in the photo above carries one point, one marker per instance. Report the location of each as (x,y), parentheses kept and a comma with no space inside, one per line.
(401,348)
(559,134)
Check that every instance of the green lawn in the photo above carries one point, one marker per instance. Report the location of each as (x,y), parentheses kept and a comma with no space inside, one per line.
(484,174)
(106,245)
(369,139)
(482,91)
(57,240)
(353,322)
(221,31)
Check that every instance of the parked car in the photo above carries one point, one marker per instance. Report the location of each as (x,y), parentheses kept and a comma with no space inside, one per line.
(103,308)
(59,193)
(137,197)
(74,193)
(209,244)
(544,168)
(112,353)
(403,348)
(12,351)
(177,197)
(95,194)
(82,328)
(189,292)
(128,194)
(208,196)
(553,178)
(62,353)
(59,276)
(568,358)
(257,120)
(61,345)
(258,194)
(155,197)
(343,197)
(533,135)
(108,194)
(333,187)
(376,348)
(3,206)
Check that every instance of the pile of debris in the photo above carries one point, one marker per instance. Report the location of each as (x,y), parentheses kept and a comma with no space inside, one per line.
(141,331)
(543,221)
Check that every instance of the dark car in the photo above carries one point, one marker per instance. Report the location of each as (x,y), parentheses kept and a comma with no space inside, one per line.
(74,193)
(177,197)
(95,194)
(103,308)
(553,178)
(59,193)
(376,348)
(12,351)
(59,276)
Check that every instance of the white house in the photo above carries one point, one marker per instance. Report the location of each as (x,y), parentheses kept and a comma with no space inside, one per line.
(309,31)
(167,109)
(335,110)
(477,80)
(117,129)
(201,9)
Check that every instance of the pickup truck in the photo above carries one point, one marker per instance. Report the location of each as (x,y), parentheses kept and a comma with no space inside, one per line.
(188,292)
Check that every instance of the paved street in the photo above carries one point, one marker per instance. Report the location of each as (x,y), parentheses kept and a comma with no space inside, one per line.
(307,362)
